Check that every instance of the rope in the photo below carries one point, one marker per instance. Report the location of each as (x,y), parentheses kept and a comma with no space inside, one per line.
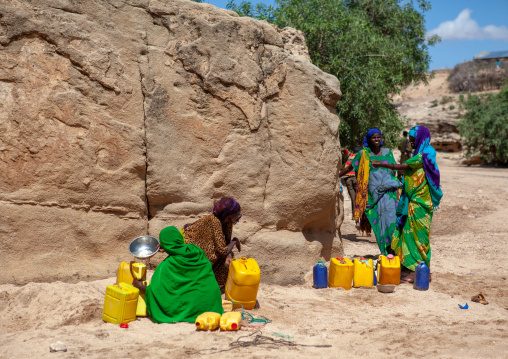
(258,339)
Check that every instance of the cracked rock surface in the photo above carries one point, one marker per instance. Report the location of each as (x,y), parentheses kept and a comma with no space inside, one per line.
(119,118)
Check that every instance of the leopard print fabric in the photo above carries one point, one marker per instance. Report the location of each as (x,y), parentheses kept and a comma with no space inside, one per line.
(212,237)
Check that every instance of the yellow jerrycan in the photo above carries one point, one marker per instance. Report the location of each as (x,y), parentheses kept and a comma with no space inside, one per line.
(388,270)
(138,271)
(243,282)
(341,273)
(120,303)
(363,273)
(124,273)
(231,321)
(208,321)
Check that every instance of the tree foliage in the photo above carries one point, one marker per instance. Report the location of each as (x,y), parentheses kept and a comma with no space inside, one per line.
(373,47)
(484,126)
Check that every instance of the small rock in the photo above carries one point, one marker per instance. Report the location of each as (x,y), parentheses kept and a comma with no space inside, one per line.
(57,347)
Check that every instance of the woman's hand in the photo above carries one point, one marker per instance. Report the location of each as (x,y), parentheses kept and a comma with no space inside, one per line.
(159,249)
(227,262)
(377,163)
(237,244)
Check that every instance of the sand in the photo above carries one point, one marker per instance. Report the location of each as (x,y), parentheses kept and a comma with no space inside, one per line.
(469,252)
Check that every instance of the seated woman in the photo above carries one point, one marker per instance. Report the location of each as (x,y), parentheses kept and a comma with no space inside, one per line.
(376,194)
(421,194)
(183,285)
(213,235)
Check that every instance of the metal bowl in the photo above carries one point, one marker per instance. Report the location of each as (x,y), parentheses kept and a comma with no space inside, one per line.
(144,247)
(385,288)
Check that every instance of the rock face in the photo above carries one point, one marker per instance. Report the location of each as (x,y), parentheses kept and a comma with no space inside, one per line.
(122,117)
(435,107)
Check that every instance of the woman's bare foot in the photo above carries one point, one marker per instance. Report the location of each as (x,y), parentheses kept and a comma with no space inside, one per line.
(410,278)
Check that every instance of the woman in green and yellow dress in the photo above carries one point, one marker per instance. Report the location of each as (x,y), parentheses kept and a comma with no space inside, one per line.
(421,194)
(376,195)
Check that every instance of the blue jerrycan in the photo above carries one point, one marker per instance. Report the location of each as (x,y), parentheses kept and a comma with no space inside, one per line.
(422,277)
(320,275)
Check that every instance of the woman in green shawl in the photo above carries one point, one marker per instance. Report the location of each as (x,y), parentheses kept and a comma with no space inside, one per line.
(183,285)
(421,195)
(376,194)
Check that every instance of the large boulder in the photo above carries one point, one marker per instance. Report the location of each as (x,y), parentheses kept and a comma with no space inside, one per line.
(122,117)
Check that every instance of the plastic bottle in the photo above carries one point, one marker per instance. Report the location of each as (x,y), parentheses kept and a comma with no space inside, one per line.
(208,321)
(422,277)
(231,321)
(320,275)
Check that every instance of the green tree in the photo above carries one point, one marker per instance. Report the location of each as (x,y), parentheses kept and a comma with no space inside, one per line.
(373,47)
(484,126)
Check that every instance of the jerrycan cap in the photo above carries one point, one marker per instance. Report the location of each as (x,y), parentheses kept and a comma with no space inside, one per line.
(320,262)
(390,257)
(340,258)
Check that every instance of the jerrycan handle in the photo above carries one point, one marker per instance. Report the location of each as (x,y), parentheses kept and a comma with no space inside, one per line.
(130,267)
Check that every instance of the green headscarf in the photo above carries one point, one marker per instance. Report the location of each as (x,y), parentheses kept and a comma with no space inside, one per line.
(183,285)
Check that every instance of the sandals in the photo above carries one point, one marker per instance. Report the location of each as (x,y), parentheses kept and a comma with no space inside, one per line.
(479,298)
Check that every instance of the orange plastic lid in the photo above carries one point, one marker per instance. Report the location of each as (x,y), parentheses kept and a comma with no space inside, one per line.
(340,258)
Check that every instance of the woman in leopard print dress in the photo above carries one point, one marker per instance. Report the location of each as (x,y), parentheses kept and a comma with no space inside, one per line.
(213,235)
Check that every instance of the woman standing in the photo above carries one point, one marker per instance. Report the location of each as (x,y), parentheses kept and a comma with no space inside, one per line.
(421,194)
(376,194)
(213,235)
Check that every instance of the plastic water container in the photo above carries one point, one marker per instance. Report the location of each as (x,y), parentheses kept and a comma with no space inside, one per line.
(389,270)
(243,282)
(341,274)
(320,274)
(231,321)
(120,303)
(422,277)
(138,271)
(124,273)
(208,321)
(363,273)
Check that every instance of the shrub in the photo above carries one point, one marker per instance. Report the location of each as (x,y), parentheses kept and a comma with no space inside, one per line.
(446,99)
(452,107)
(433,103)
(477,76)
(485,127)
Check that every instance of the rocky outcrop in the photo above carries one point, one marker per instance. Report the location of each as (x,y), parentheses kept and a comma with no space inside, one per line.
(122,117)
(434,107)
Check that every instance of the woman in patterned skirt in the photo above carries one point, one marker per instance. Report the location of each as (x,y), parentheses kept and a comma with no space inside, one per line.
(213,235)
(376,194)
(421,194)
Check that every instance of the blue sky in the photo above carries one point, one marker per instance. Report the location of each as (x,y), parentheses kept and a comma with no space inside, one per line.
(467,27)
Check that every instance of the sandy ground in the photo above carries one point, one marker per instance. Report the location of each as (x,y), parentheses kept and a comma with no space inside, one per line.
(469,253)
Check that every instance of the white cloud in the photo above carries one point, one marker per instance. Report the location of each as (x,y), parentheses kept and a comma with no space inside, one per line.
(466,28)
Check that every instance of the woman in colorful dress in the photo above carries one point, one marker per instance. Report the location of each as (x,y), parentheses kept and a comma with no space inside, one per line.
(213,235)
(421,195)
(376,194)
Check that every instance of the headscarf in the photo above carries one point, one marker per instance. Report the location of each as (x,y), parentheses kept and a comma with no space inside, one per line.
(422,145)
(369,134)
(225,207)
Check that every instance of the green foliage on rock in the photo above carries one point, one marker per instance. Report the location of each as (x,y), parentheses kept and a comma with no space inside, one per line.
(484,126)
(373,47)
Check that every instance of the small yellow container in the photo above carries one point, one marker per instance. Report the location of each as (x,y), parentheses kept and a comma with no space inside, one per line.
(124,273)
(341,274)
(389,270)
(138,270)
(243,282)
(363,273)
(208,321)
(231,321)
(120,303)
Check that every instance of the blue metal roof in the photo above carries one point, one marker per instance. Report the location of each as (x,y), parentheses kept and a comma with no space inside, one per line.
(492,55)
